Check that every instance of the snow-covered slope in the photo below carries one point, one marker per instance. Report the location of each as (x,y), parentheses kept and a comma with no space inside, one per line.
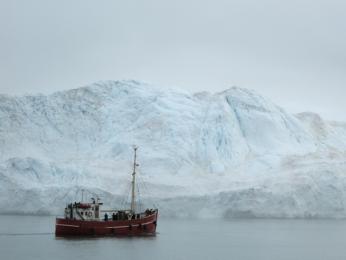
(225,154)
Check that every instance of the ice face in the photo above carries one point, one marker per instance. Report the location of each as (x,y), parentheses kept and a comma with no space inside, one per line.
(230,154)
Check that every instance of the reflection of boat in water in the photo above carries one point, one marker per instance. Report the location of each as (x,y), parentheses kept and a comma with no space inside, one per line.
(83,219)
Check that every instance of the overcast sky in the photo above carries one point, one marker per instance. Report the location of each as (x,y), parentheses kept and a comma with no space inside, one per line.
(293,52)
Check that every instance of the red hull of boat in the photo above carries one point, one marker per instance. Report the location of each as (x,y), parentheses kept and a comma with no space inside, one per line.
(137,227)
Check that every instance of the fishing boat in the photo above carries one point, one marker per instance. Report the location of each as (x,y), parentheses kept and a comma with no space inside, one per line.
(88,219)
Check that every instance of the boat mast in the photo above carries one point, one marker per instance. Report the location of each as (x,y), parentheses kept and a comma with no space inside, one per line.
(133,202)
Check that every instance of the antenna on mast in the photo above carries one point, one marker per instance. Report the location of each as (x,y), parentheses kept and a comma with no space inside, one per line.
(133,202)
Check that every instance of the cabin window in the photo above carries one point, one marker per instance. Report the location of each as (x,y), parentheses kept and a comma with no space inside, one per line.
(81,213)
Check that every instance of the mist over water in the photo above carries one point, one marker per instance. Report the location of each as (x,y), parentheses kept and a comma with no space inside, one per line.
(32,237)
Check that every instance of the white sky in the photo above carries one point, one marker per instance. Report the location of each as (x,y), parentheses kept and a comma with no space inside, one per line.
(293,52)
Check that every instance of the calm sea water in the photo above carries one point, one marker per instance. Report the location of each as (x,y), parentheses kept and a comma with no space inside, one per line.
(33,238)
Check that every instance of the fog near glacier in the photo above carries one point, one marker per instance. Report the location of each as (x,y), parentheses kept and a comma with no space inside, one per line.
(290,51)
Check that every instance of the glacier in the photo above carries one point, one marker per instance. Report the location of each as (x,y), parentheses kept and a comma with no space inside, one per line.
(212,155)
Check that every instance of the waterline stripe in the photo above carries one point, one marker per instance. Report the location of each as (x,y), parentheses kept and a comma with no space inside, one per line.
(65,225)
(135,225)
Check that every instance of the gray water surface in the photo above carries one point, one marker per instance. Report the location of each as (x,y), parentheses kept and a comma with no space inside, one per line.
(28,237)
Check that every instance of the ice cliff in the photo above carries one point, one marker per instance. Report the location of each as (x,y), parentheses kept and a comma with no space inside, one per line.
(227,154)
